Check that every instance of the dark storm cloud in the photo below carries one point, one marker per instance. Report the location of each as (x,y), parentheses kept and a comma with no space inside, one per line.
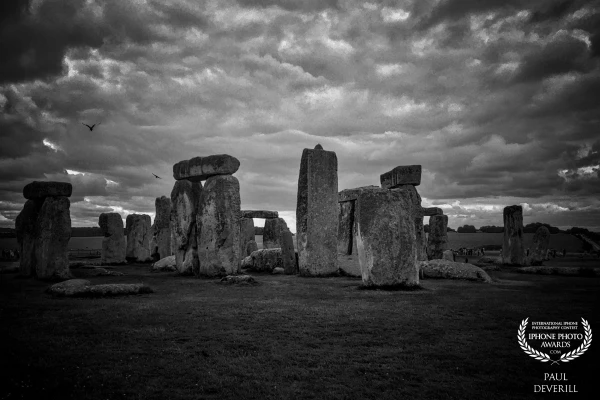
(293,5)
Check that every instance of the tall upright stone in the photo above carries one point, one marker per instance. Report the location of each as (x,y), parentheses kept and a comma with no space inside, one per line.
(272,232)
(138,238)
(385,238)
(420,238)
(247,237)
(160,245)
(44,229)
(539,248)
(185,200)
(114,246)
(345,227)
(26,228)
(218,226)
(316,212)
(288,254)
(437,241)
(513,251)
(52,239)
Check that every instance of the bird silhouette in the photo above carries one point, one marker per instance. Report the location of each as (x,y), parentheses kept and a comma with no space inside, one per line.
(91,127)
(156,176)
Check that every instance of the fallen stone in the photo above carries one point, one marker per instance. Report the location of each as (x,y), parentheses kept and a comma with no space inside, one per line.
(246,263)
(69,287)
(437,240)
(52,239)
(114,245)
(385,238)
(218,224)
(316,213)
(160,244)
(265,260)
(431,211)
(444,269)
(539,248)
(486,260)
(138,238)
(98,271)
(238,280)
(259,214)
(105,290)
(352,194)
(40,190)
(402,175)
(513,252)
(563,271)
(448,255)
(167,264)
(278,271)
(202,168)
(185,200)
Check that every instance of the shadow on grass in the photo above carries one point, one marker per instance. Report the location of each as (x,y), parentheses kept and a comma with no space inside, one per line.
(393,288)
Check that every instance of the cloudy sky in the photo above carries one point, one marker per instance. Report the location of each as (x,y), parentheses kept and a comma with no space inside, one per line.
(498,100)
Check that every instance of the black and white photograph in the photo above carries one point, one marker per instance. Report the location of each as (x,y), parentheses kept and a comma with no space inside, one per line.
(299,199)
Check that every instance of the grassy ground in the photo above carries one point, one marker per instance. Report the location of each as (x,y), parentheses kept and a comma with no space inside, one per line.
(289,337)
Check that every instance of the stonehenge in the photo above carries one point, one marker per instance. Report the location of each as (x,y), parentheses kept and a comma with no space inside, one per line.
(43,230)
(138,238)
(160,244)
(402,175)
(206,219)
(316,213)
(114,245)
(513,251)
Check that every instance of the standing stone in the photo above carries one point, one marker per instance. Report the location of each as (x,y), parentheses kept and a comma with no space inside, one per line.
(437,241)
(448,255)
(402,175)
(247,237)
(513,251)
(138,238)
(160,245)
(316,213)
(185,200)
(345,227)
(272,232)
(114,246)
(218,224)
(385,238)
(541,242)
(288,254)
(52,239)
(25,225)
(421,239)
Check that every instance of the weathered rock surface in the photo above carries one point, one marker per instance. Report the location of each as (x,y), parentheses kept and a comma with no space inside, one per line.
(26,227)
(81,289)
(167,264)
(513,252)
(238,280)
(288,253)
(402,175)
(202,168)
(447,255)
(68,287)
(278,271)
(437,240)
(259,214)
(40,190)
(265,260)
(272,232)
(352,194)
(316,213)
(246,236)
(486,260)
(53,232)
(430,211)
(385,238)
(160,244)
(445,269)
(114,245)
(138,238)
(420,239)
(345,227)
(539,248)
(246,262)
(185,200)
(218,223)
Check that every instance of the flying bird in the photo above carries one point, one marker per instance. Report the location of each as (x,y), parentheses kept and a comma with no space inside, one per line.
(156,176)
(91,127)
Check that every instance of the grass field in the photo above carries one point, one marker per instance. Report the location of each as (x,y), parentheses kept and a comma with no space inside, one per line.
(288,338)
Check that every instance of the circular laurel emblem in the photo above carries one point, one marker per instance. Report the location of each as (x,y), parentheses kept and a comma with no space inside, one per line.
(543,357)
